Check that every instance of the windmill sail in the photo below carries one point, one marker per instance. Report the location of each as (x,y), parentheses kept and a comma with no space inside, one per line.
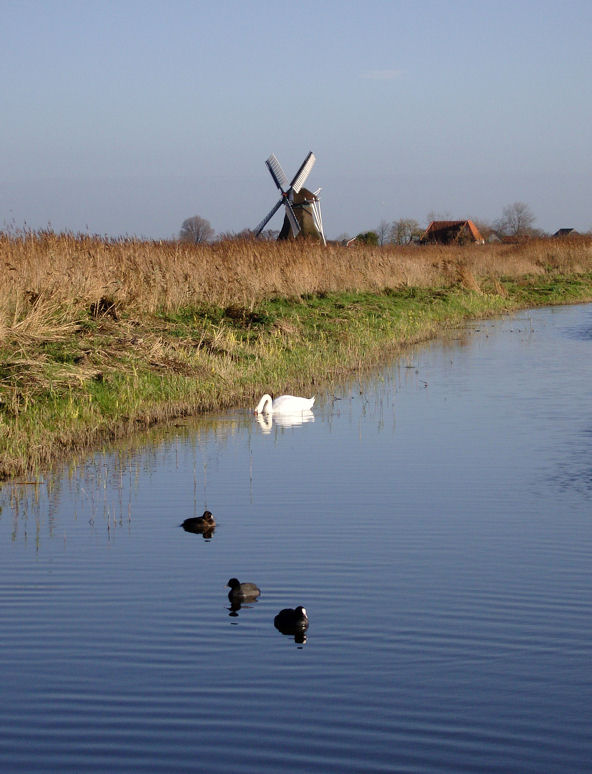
(316,214)
(292,218)
(302,208)
(276,171)
(303,172)
(260,226)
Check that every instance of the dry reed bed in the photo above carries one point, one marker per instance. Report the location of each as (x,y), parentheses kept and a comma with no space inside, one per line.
(42,271)
(84,357)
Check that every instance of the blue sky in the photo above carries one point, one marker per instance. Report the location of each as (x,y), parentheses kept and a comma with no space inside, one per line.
(128,117)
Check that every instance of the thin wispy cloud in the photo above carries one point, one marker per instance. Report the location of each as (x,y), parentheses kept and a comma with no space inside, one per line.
(382,75)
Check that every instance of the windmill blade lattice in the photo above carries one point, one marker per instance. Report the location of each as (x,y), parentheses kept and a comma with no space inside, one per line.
(260,226)
(292,218)
(288,190)
(276,171)
(303,173)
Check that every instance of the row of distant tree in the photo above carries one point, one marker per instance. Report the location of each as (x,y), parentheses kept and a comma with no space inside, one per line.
(198,230)
(516,220)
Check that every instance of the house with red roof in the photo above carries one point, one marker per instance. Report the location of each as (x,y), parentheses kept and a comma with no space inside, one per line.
(450,232)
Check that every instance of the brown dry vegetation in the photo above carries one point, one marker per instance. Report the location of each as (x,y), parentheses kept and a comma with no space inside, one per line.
(75,272)
(100,337)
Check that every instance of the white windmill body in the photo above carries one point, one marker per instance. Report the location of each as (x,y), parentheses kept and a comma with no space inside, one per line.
(290,192)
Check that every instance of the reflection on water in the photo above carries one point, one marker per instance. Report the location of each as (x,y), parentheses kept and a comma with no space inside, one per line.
(266,421)
(293,622)
(579,332)
(574,470)
(204,525)
(237,604)
(206,531)
(434,518)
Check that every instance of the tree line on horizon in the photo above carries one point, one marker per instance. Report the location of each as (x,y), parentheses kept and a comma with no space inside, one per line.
(199,230)
(517,220)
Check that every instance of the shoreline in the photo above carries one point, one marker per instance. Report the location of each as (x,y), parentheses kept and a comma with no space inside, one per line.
(122,377)
(100,339)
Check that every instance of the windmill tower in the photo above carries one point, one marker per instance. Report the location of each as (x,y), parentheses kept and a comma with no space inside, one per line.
(302,207)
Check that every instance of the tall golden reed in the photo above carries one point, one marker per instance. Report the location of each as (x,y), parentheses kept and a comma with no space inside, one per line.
(43,271)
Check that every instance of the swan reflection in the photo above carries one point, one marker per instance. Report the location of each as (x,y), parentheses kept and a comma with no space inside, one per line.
(266,421)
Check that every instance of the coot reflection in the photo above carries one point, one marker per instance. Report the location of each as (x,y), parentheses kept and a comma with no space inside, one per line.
(293,622)
(201,525)
(241,593)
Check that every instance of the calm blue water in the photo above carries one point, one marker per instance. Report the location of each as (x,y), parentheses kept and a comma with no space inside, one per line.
(434,518)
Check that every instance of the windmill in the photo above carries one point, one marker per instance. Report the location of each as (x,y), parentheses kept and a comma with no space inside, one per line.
(303,207)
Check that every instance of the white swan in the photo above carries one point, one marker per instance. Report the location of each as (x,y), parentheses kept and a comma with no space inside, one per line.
(283,404)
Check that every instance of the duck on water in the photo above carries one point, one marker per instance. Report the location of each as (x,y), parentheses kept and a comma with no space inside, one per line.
(291,621)
(200,524)
(242,592)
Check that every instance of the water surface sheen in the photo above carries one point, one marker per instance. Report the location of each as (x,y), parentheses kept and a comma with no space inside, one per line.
(435,520)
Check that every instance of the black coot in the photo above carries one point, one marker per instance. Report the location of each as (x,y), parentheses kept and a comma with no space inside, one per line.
(291,621)
(242,592)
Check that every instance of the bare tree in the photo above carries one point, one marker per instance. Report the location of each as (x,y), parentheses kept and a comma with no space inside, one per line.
(383,231)
(196,229)
(435,215)
(269,234)
(236,236)
(404,230)
(516,220)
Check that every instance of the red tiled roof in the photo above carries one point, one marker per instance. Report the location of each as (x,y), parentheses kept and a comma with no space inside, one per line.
(444,225)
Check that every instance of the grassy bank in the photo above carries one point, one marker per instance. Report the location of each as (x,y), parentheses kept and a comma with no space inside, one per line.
(100,338)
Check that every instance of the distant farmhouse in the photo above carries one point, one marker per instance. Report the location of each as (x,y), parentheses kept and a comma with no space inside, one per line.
(563,232)
(450,232)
